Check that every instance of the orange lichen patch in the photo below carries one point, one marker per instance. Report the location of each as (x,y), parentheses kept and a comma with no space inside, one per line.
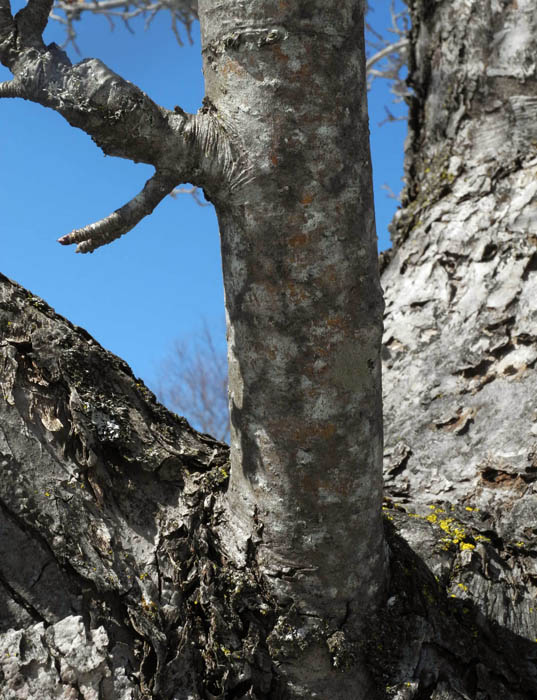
(274,159)
(336,322)
(297,293)
(323,432)
(318,483)
(306,199)
(232,67)
(298,240)
(280,55)
(303,433)
(331,273)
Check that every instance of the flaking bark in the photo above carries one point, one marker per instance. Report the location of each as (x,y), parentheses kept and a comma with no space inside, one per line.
(460,329)
(114,582)
(282,151)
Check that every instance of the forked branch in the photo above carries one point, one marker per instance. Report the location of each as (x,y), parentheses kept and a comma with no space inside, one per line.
(32,20)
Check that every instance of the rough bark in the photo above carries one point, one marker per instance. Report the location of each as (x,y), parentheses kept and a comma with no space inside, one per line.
(113,579)
(119,577)
(460,325)
(280,146)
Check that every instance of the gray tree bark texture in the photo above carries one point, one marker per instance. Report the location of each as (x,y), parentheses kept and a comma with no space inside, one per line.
(131,567)
(460,337)
(281,148)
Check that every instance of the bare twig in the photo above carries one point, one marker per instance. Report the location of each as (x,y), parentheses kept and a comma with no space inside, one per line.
(122,220)
(390,193)
(183,12)
(390,57)
(193,191)
(398,46)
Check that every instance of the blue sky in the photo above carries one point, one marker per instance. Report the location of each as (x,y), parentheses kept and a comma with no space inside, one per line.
(162,279)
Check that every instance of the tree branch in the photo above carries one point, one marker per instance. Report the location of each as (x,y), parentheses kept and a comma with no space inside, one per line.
(121,119)
(124,219)
(32,20)
(7,28)
(184,12)
(6,18)
(386,51)
(9,88)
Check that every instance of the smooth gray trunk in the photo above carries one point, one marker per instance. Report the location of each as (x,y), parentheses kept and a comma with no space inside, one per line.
(281,148)
(303,302)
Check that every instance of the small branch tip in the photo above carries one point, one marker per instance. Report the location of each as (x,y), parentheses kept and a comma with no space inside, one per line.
(93,236)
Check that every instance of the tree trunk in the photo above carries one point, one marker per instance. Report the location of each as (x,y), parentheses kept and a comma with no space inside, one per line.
(281,148)
(460,342)
(304,305)
(128,568)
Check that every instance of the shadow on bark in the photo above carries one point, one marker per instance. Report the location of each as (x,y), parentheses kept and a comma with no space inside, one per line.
(112,580)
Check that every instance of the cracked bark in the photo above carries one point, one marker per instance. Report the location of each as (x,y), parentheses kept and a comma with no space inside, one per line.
(115,582)
(289,174)
(121,508)
(460,327)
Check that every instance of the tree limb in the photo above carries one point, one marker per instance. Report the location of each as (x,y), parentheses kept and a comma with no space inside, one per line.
(124,219)
(7,28)
(121,119)
(32,20)
(9,88)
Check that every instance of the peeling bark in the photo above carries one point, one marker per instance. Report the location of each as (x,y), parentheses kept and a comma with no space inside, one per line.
(114,582)
(460,326)
(288,170)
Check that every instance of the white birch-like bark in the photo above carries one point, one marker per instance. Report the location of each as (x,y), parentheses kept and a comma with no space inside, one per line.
(460,339)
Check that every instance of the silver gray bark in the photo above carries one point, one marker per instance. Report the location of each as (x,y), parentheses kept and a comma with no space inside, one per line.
(460,337)
(280,147)
(302,299)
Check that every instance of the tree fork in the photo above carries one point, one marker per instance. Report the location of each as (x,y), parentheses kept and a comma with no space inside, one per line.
(281,147)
